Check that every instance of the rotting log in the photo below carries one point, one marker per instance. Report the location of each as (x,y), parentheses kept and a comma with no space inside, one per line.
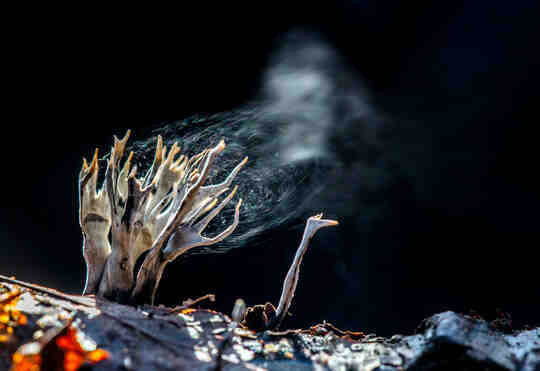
(165,213)
(159,338)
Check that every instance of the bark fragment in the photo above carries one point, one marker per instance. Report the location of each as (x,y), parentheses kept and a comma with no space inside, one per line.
(153,338)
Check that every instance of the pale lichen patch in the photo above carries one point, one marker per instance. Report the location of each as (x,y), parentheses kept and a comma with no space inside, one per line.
(202,354)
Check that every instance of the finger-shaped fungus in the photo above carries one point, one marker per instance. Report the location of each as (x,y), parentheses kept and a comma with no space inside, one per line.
(165,212)
(267,317)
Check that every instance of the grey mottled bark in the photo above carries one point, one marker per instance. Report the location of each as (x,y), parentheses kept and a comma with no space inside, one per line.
(156,338)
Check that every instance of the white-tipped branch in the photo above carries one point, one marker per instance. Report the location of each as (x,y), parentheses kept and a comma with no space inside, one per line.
(165,212)
(181,233)
(313,224)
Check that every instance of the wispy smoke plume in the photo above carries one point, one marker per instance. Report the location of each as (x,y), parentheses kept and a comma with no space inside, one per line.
(308,87)
(310,128)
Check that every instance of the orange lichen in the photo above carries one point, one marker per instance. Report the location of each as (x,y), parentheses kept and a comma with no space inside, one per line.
(97,355)
(68,342)
(187,311)
(66,351)
(10,317)
(31,362)
(74,352)
(72,361)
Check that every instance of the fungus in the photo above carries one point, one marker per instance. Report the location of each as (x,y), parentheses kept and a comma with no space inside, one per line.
(267,317)
(163,213)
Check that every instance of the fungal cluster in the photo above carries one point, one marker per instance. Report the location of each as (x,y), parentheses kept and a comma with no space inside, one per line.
(164,212)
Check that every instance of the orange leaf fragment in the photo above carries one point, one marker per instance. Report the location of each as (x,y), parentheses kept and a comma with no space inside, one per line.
(63,352)
(9,316)
(69,342)
(72,360)
(97,355)
(74,354)
(30,362)
(17,357)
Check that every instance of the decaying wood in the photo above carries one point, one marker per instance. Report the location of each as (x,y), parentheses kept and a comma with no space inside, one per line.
(156,338)
(165,213)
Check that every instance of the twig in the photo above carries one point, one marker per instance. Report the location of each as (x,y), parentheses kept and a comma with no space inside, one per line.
(88,302)
(189,303)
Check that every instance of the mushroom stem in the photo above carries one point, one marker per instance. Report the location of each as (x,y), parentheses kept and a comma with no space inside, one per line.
(313,224)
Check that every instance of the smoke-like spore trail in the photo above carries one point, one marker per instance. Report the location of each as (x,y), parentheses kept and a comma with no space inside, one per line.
(273,192)
(310,127)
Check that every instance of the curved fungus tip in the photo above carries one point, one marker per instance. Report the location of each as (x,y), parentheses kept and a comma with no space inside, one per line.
(128,161)
(95,158)
(174,150)
(126,137)
(234,190)
(175,165)
(133,172)
(164,151)
(159,149)
(238,205)
(326,222)
(221,146)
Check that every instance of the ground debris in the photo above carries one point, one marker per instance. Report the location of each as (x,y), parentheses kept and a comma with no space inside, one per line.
(111,336)
(65,348)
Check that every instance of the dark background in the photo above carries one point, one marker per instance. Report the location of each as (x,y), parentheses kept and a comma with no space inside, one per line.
(462,235)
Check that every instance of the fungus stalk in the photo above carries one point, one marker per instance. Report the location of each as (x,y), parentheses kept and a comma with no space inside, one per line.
(163,212)
(267,317)
(289,284)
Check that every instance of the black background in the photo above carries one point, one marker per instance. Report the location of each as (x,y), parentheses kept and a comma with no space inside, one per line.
(465,73)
